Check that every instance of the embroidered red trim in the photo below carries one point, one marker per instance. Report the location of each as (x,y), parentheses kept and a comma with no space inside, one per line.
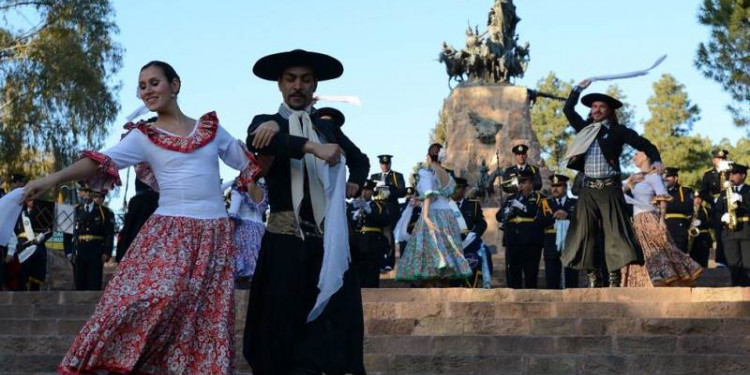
(204,133)
(252,170)
(108,175)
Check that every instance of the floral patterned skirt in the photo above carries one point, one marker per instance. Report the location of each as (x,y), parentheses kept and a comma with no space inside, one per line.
(247,237)
(665,264)
(433,255)
(169,309)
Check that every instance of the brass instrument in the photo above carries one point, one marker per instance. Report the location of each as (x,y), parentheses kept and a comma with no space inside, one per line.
(510,184)
(731,207)
(693,232)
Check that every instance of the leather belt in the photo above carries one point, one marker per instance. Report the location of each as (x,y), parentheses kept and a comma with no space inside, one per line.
(677,216)
(517,220)
(600,183)
(743,219)
(370,230)
(89,237)
(550,231)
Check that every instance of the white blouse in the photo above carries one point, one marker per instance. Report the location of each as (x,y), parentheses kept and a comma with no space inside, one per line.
(189,182)
(644,191)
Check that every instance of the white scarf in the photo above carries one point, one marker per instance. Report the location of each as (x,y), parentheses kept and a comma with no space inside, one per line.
(583,139)
(301,125)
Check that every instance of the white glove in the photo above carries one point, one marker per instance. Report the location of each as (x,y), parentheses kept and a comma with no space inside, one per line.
(517,205)
(355,215)
(725,218)
(380,184)
(696,223)
(734,198)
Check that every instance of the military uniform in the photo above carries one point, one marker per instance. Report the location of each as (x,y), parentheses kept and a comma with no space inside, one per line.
(710,190)
(32,273)
(515,170)
(679,213)
(523,238)
(737,242)
(369,218)
(556,277)
(700,246)
(394,181)
(93,238)
(471,210)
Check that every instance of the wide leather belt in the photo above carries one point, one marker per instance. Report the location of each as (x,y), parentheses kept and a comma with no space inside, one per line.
(600,183)
(89,237)
(677,216)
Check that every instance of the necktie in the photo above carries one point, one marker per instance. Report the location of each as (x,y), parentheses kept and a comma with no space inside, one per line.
(559,202)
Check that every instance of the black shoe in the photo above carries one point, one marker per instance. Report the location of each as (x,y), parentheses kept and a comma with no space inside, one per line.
(614,279)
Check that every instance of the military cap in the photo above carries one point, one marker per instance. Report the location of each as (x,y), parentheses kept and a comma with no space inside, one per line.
(385,158)
(520,149)
(17,177)
(720,153)
(738,168)
(525,174)
(369,185)
(671,171)
(82,185)
(559,179)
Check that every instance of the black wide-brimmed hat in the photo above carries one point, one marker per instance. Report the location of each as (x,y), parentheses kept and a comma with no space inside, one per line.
(272,66)
(597,97)
(671,171)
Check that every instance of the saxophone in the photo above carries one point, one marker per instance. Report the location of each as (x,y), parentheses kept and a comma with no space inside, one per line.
(731,208)
(693,232)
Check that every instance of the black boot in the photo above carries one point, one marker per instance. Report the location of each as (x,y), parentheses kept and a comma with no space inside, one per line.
(595,279)
(614,279)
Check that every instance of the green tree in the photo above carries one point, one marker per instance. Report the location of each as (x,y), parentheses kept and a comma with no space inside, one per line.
(725,58)
(57,92)
(548,121)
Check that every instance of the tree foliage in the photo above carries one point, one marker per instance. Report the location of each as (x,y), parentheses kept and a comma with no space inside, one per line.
(548,121)
(439,134)
(725,58)
(57,94)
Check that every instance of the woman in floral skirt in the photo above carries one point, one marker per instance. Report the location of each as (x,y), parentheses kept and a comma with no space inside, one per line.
(665,264)
(169,309)
(247,206)
(433,254)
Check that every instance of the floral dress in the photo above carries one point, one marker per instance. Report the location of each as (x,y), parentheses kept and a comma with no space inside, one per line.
(433,255)
(169,309)
(249,229)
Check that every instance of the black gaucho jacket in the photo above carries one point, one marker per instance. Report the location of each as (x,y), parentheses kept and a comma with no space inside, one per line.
(610,140)
(284,146)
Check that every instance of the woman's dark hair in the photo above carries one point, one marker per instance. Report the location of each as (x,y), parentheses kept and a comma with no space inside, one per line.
(433,151)
(167,69)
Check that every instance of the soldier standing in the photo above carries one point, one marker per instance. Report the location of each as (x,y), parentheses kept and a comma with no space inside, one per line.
(471,211)
(711,187)
(735,206)
(557,211)
(699,242)
(520,153)
(523,236)
(680,210)
(396,188)
(93,239)
(369,218)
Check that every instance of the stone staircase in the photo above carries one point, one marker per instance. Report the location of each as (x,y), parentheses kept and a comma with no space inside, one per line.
(471,331)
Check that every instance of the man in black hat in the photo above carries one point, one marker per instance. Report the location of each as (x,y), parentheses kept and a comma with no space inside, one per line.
(474,251)
(396,188)
(699,243)
(559,208)
(520,154)
(92,241)
(601,206)
(735,205)
(369,218)
(680,210)
(140,208)
(523,235)
(278,339)
(711,188)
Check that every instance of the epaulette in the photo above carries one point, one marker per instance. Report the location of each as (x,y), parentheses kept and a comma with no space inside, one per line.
(533,168)
(710,170)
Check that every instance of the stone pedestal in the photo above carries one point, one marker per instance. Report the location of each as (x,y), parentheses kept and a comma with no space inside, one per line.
(470,113)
